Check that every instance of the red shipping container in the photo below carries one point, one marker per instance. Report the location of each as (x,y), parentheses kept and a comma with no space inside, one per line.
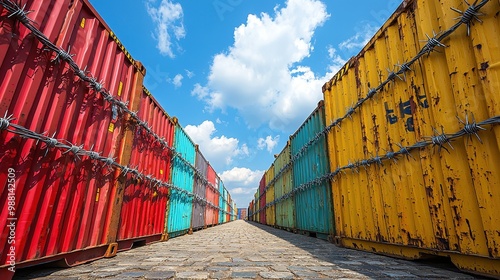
(144,205)
(262,200)
(212,196)
(65,203)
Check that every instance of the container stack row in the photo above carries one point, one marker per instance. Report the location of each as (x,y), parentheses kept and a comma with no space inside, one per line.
(242,213)
(403,156)
(90,163)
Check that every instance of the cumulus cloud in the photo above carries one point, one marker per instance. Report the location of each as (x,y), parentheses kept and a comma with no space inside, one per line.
(242,183)
(200,91)
(241,180)
(177,80)
(260,75)
(168,18)
(219,150)
(268,143)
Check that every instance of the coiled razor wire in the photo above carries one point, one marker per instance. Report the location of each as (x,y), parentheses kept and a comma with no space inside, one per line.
(439,140)
(20,13)
(79,152)
(467,17)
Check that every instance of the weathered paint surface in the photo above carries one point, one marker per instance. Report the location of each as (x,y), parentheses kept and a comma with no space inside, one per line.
(270,210)
(200,189)
(180,204)
(313,207)
(63,204)
(143,211)
(438,200)
(285,210)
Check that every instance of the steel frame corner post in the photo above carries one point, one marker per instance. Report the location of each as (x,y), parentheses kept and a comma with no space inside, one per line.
(124,155)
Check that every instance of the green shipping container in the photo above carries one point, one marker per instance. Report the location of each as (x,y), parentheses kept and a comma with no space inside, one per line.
(285,205)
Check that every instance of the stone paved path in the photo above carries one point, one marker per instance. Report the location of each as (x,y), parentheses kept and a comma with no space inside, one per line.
(242,250)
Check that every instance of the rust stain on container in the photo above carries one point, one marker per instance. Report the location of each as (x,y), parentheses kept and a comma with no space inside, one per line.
(455,193)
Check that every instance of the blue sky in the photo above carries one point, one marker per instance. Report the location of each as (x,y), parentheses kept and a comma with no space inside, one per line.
(242,76)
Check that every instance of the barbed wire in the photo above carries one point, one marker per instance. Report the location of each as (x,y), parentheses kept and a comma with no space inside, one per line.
(18,12)
(439,140)
(467,17)
(79,153)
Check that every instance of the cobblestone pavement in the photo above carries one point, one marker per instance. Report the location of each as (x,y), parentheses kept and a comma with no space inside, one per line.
(240,250)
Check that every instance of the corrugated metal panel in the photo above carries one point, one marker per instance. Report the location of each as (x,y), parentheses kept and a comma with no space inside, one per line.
(440,200)
(257,206)
(180,204)
(222,202)
(251,209)
(262,200)
(144,207)
(212,197)
(285,209)
(313,205)
(270,210)
(200,189)
(242,213)
(63,204)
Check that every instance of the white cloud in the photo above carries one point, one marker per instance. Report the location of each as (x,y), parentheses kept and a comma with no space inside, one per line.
(243,191)
(199,91)
(220,151)
(241,183)
(268,143)
(360,39)
(177,80)
(337,62)
(241,177)
(189,74)
(260,75)
(168,18)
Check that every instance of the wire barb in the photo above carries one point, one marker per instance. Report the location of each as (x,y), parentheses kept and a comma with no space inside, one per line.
(471,128)
(63,55)
(440,139)
(470,14)
(432,43)
(20,13)
(5,121)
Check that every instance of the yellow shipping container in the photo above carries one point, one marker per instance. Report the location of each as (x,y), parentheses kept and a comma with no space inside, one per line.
(257,206)
(270,210)
(414,140)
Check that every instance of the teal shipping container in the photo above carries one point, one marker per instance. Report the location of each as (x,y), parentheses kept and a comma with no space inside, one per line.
(222,202)
(226,198)
(285,207)
(313,207)
(180,203)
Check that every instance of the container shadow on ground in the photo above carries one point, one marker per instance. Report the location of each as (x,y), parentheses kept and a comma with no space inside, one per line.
(369,264)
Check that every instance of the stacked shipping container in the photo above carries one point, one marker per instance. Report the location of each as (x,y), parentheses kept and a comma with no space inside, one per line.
(304,204)
(142,215)
(389,168)
(84,175)
(181,204)
(242,213)
(200,190)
